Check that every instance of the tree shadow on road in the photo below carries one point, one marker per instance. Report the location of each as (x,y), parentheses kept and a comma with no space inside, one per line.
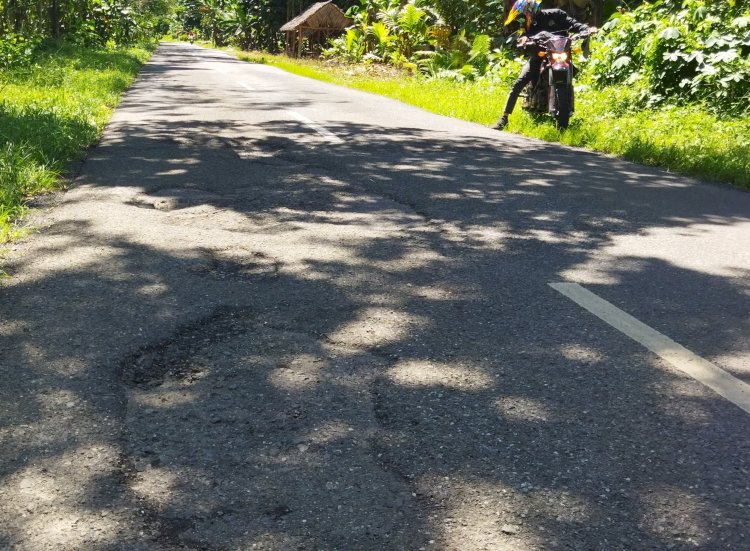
(355,346)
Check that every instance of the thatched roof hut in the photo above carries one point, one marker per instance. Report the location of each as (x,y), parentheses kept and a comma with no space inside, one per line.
(321,21)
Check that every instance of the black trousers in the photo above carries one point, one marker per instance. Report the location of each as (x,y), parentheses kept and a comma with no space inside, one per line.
(529,72)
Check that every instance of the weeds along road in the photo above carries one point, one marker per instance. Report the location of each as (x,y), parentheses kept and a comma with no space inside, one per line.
(277,314)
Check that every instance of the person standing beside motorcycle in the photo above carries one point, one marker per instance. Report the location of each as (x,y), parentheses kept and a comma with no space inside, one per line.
(536,20)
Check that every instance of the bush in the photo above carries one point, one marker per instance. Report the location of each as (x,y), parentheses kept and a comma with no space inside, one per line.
(679,52)
(16,51)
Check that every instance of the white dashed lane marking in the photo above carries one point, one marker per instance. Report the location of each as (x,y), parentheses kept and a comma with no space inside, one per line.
(330,136)
(678,356)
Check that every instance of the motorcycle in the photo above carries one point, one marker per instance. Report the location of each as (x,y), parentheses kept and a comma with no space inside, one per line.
(553,92)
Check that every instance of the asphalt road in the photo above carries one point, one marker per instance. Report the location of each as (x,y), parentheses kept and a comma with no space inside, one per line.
(277,314)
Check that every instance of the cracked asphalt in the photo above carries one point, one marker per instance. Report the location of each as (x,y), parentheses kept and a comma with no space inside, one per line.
(273,314)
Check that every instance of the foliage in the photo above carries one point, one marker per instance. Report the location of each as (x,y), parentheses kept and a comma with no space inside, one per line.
(413,34)
(16,50)
(242,23)
(474,18)
(385,30)
(679,51)
(95,22)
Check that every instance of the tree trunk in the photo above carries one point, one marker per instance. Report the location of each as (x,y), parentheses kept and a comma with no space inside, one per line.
(39,17)
(54,18)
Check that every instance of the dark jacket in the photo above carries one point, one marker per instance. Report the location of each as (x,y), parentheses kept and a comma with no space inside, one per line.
(554,21)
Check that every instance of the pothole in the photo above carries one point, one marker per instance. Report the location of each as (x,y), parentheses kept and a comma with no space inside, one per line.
(179,356)
(202,138)
(174,199)
(237,264)
(265,152)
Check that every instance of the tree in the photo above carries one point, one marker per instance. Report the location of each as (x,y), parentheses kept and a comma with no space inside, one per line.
(86,20)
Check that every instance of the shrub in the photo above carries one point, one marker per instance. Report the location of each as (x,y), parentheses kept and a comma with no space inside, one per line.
(16,51)
(681,51)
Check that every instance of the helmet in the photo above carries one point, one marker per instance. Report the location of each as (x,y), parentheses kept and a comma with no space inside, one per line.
(527,8)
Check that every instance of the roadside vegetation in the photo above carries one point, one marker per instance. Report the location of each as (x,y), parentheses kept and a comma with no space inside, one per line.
(63,67)
(50,111)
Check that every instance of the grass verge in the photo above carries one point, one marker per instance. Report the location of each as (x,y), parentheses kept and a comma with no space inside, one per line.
(688,140)
(50,112)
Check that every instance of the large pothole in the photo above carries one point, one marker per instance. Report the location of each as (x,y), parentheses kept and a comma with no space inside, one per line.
(241,435)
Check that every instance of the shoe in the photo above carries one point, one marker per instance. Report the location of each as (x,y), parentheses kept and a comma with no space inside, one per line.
(502,123)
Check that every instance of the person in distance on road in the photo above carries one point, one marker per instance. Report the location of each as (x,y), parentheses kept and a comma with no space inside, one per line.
(535,20)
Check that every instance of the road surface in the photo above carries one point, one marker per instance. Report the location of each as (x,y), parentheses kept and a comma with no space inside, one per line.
(277,314)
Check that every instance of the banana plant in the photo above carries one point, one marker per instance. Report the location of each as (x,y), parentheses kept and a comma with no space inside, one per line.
(213,16)
(237,22)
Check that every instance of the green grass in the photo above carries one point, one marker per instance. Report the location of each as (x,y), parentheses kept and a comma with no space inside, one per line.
(50,112)
(688,140)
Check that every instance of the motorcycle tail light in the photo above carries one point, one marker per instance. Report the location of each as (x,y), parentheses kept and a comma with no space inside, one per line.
(562,56)
(541,54)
